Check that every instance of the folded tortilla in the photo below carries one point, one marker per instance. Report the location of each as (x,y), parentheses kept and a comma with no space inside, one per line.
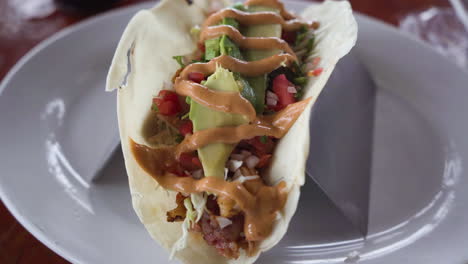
(143,62)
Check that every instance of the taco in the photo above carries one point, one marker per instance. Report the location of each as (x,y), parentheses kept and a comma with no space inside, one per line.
(214,103)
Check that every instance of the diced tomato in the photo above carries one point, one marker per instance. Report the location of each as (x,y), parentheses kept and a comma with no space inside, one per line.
(288,36)
(196,161)
(280,88)
(201,47)
(168,95)
(167,103)
(185,159)
(264,160)
(186,128)
(196,77)
(259,148)
(168,108)
(189,161)
(315,72)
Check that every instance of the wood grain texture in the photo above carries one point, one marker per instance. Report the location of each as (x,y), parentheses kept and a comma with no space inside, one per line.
(20,30)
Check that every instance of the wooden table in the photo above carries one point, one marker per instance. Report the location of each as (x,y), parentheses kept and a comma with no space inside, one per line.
(22,28)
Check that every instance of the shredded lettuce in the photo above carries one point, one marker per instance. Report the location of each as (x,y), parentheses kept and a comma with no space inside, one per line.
(181,243)
(199,204)
(191,214)
(195,206)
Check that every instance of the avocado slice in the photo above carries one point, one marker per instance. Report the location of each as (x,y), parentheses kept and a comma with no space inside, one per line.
(227,47)
(224,46)
(212,48)
(230,22)
(214,156)
(230,48)
(259,83)
(264,30)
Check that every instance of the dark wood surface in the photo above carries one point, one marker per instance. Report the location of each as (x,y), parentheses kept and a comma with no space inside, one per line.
(22,27)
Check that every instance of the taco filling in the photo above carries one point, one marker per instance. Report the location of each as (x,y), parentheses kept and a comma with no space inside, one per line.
(225,110)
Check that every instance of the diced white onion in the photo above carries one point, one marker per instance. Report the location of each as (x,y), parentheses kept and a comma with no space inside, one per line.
(271,102)
(272,95)
(198,174)
(223,221)
(251,177)
(233,165)
(242,178)
(252,161)
(292,89)
(237,156)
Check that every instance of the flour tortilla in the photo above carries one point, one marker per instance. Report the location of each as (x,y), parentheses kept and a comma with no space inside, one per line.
(143,62)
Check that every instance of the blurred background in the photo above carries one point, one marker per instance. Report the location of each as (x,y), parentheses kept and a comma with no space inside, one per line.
(24,23)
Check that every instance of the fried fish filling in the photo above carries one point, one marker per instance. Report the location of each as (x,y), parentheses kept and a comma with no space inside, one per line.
(179,213)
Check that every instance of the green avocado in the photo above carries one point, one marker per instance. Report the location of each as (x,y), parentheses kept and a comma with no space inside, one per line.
(214,156)
(259,83)
(224,46)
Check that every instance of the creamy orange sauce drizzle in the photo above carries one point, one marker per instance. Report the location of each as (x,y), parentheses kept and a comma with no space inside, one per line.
(276,125)
(224,100)
(246,42)
(256,18)
(231,102)
(259,203)
(249,69)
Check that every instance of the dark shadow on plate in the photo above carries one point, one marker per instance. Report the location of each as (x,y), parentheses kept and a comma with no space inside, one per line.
(317,227)
(111,188)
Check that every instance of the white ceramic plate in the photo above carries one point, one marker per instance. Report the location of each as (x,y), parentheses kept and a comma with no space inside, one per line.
(55,118)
